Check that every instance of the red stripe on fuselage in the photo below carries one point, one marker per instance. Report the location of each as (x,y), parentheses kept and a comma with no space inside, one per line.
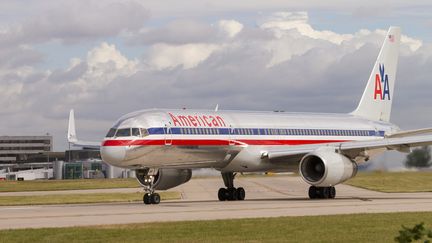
(212,142)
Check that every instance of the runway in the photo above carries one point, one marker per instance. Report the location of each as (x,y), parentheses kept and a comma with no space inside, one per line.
(270,196)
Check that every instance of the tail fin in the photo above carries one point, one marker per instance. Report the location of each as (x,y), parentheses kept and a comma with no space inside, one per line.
(71,135)
(376,101)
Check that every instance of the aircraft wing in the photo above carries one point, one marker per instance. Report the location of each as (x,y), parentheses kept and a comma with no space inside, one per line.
(72,137)
(408,133)
(354,149)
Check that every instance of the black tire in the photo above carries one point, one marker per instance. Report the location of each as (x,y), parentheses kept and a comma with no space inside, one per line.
(325,192)
(222,194)
(241,194)
(155,198)
(232,194)
(313,192)
(146,198)
(332,193)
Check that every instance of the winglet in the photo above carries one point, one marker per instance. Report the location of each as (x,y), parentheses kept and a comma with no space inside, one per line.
(72,137)
(217,107)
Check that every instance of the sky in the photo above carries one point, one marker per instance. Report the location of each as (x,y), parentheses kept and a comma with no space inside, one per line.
(107,58)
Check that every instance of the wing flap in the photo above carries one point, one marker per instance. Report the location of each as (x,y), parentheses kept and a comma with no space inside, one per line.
(388,143)
(408,133)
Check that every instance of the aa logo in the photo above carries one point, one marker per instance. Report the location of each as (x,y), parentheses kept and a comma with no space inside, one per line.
(382,88)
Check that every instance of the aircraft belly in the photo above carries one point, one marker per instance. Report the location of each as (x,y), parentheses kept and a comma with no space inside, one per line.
(176,156)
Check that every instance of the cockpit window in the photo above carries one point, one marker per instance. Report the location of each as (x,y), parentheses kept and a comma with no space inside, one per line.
(127,132)
(135,132)
(124,132)
(111,133)
(144,132)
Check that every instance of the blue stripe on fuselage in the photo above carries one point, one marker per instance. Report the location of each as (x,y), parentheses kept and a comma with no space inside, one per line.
(265,131)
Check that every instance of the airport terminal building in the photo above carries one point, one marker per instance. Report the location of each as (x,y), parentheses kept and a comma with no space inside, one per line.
(24,149)
(32,157)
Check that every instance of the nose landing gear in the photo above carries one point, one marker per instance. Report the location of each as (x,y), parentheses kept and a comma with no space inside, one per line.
(146,178)
(230,193)
(150,197)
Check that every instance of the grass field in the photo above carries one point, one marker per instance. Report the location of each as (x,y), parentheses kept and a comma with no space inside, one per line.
(342,228)
(393,181)
(80,198)
(55,185)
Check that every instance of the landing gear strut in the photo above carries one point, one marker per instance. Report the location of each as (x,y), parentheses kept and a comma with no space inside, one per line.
(230,193)
(150,197)
(322,192)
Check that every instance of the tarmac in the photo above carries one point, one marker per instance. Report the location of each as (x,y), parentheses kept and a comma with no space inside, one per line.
(269,196)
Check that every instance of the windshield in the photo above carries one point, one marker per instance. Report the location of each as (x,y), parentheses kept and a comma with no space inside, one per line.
(124,132)
(127,132)
(135,132)
(111,133)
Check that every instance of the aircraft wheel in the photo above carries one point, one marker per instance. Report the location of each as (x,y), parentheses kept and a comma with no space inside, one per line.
(232,194)
(146,198)
(332,192)
(241,194)
(222,194)
(325,192)
(313,192)
(155,198)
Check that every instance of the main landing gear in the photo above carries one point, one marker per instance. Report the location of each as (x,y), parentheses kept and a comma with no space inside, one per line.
(150,197)
(322,192)
(230,193)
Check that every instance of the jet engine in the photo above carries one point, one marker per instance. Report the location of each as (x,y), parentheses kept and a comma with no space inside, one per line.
(164,179)
(324,167)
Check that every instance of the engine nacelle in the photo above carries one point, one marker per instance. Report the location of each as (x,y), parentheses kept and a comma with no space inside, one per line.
(324,167)
(165,178)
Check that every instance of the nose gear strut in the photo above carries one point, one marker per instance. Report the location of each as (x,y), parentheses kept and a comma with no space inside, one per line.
(146,178)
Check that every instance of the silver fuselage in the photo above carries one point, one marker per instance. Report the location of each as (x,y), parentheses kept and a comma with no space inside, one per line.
(212,139)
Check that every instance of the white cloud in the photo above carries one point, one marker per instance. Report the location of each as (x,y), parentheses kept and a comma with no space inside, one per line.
(176,32)
(74,21)
(412,43)
(106,53)
(230,27)
(187,56)
(281,22)
(105,63)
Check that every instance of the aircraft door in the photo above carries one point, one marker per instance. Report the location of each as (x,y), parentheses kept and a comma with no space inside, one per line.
(168,134)
(231,136)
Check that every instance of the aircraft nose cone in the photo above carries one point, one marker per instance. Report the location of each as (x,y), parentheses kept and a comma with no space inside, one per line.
(113,155)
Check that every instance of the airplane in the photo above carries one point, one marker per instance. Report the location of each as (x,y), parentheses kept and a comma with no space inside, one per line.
(164,145)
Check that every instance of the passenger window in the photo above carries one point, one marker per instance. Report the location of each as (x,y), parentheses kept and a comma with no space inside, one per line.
(111,133)
(135,132)
(124,132)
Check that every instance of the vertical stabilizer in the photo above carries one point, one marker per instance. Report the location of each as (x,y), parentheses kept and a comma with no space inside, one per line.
(377,98)
(72,137)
